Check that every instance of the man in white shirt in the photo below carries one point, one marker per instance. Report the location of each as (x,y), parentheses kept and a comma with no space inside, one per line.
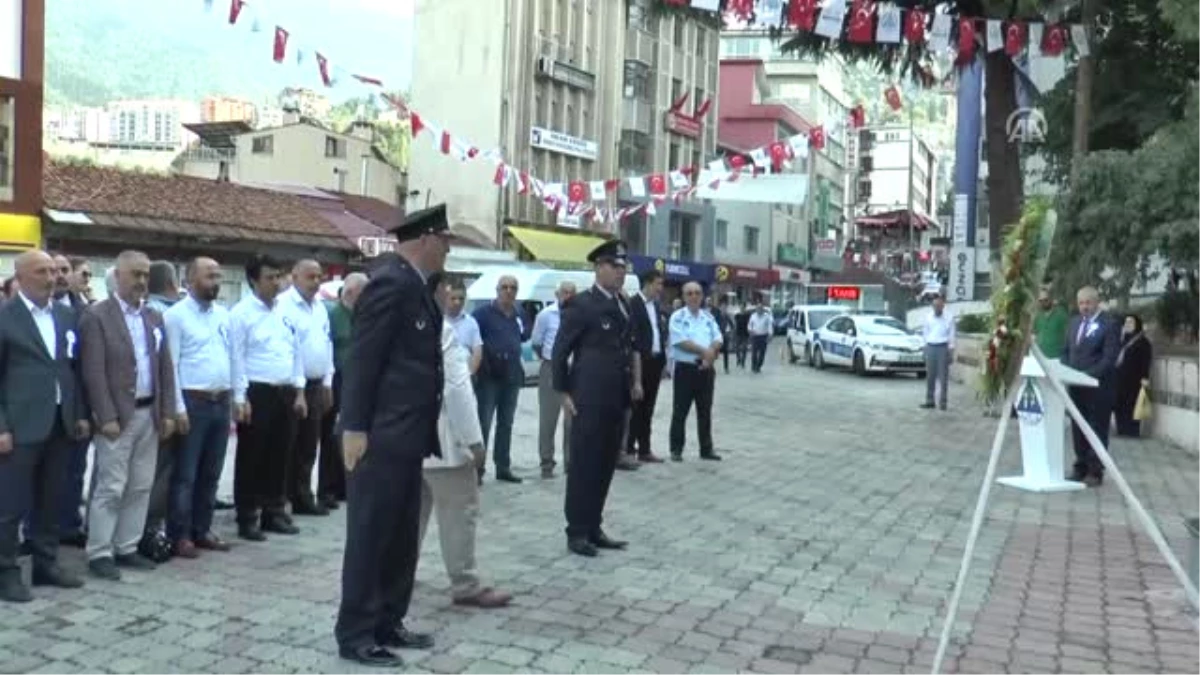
(938,333)
(310,319)
(545,330)
(466,329)
(268,395)
(760,326)
(198,336)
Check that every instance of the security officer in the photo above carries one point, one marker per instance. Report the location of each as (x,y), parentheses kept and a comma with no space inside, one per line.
(598,373)
(391,401)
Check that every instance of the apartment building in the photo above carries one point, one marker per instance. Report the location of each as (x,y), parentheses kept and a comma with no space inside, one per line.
(151,123)
(537,80)
(298,153)
(226,109)
(22,24)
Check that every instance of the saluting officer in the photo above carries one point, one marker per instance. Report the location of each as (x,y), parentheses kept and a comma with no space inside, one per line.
(392,397)
(598,373)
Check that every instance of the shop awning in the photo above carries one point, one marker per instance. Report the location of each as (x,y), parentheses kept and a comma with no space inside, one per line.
(549,246)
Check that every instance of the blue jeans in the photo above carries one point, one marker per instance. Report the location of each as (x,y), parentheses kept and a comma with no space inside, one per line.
(498,399)
(198,469)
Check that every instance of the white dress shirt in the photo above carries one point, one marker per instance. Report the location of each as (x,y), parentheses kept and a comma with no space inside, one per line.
(136,323)
(43,318)
(466,330)
(545,329)
(458,423)
(652,314)
(198,338)
(265,348)
(939,330)
(311,321)
(761,323)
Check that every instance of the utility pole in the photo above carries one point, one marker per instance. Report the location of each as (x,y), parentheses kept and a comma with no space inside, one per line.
(1083,90)
(908,190)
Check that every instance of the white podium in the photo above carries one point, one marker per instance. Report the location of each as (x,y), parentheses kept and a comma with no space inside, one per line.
(1043,423)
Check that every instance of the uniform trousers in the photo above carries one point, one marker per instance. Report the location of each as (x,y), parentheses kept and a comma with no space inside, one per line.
(595,448)
(692,385)
(549,410)
(304,445)
(453,494)
(263,452)
(643,411)
(124,475)
(1096,407)
(32,474)
(331,471)
(383,530)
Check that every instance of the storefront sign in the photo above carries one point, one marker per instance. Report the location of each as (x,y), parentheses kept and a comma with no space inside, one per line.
(562,143)
(826,256)
(680,124)
(746,276)
(962,274)
(851,293)
(20,233)
(674,270)
(372,247)
(791,255)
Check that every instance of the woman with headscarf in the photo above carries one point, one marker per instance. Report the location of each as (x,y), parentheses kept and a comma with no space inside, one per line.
(1133,373)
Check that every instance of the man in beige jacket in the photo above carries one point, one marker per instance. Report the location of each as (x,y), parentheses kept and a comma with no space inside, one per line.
(450,482)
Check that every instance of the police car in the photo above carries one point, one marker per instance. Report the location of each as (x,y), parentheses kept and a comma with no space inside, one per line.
(868,344)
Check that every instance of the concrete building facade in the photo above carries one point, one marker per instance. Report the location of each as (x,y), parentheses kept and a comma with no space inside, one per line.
(22,40)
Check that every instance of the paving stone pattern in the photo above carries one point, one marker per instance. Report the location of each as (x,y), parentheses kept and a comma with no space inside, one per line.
(827,541)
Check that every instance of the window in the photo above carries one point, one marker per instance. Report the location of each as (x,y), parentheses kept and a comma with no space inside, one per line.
(335,147)
(797,92)
(673,157)
(722,235)
(7,139)
(676,89)
(697,99)
(637,81)
(263,145)
(683,236)
(701,39)
(751,242)
(634,154)
(679,24)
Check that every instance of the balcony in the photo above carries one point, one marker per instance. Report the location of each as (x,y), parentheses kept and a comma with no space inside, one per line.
(641,46)
(637,115)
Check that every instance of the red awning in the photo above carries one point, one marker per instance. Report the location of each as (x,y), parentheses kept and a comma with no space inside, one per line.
(894,219)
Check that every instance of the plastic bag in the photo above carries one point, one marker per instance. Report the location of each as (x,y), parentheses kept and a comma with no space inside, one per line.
(1142,409)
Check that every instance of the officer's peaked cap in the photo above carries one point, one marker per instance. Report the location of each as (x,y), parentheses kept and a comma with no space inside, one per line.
(418,223)
(612,251)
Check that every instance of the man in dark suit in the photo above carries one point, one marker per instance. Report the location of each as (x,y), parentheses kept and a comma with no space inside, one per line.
(130,384)
(599,374)
(42,414)
(391,399)
(70,523)
(650,342)
(1093,343)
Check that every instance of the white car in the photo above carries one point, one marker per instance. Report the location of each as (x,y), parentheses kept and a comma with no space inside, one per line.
(803,322)
(868,344)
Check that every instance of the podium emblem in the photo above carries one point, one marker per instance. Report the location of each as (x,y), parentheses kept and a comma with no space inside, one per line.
(1029,404)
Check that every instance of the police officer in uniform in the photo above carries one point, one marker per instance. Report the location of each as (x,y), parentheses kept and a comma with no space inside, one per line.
(392,391)
(597,371)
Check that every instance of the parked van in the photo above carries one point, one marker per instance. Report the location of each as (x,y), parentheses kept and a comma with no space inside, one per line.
(802,322)
(535,290)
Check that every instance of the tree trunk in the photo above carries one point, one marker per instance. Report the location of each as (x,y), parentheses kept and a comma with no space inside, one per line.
(1083,92)
(1003,158)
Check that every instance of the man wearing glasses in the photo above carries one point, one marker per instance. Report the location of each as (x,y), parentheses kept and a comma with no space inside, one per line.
(501,374)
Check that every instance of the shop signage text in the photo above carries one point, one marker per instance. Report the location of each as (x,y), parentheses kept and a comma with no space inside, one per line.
(562,143)
(962,274)
(680,124)
(851,293)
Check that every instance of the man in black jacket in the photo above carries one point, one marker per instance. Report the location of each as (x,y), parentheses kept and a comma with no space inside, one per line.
(392,394)
(1093,343)
(597,371)
(42,414)
(650,342)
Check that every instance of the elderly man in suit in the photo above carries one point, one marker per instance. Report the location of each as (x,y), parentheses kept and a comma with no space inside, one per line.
(42,415)
(390,408)
(130,384)
(1093,343)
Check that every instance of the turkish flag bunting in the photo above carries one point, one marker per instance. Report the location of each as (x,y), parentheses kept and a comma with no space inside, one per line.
(737,161)
(444,144)
(472,152)
(816,137)
(367,79)
(803,14)
(281,37)
(323,66)
(966,39)
(779,152)
(862,27)
(657,184)
(858,116)
(914,27)
(1054,40)
(235,9)
(501,176)
(523,185)
(742,9)
(1014,38)
(892,94)
(414,121)
(612,184)
(577,191)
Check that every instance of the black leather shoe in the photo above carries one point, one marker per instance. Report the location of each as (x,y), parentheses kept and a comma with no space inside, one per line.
(601,540)
(12,589)
(279,526)
(581,546)
(251,533)
(330,503)
(926,406)
(403,638)
(136,561)
(676,456)
(223,505)
(710,456)
(54,575)
(104,568)
(508,477)
(1078,476)
(373,656)
(626,463)
(74,540)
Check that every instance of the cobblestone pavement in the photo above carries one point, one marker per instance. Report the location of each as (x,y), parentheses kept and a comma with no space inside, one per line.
(827,541)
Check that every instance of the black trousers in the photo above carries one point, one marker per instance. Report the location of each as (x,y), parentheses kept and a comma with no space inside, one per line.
(758,351)
(260,467)
(383,526)
(160,492)
(331,471)
(595,448)
(1096,406)
(32,475)
(304,445)
(643,410)
(741,342)
(692,385)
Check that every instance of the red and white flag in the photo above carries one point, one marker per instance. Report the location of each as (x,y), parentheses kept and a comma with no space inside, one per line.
(323,67)
(281,38)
